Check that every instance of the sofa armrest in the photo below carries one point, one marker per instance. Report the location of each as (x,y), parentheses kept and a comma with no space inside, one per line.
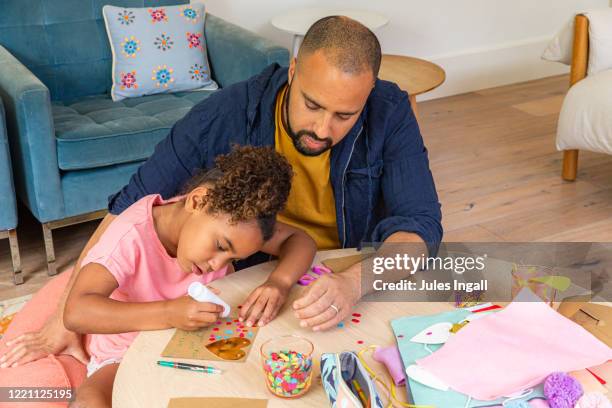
(8,206)
(580,49)
(32,138)
(236,54)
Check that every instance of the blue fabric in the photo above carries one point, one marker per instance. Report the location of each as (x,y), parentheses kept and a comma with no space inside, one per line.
(155,50)
(63,42)
(8,205)
(32,140)
(97,132)
(58,50)
(407,327)
(84,190)
(387,179)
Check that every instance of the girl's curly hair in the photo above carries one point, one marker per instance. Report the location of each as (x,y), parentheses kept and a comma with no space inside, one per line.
(249,184)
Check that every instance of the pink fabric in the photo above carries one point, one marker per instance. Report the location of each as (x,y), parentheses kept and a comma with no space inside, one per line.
(512,350)
(133,254)
(50,371)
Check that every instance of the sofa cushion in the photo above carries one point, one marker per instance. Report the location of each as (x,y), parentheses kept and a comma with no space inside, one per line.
(96,132)
(157,50)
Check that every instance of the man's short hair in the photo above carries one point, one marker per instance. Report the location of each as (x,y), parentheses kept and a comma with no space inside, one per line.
(348,44)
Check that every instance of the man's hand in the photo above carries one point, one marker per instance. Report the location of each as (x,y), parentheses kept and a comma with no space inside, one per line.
(53,338)
(263,303)
(341,290)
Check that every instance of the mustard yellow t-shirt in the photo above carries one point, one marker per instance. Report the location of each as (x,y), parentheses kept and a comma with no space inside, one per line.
(311,205)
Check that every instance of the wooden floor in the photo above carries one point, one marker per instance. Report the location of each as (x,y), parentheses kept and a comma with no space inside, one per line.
(496,168)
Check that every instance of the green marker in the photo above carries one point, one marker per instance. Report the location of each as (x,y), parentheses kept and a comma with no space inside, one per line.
(190,367)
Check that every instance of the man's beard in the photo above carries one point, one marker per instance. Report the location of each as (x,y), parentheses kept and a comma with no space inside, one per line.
(298,138)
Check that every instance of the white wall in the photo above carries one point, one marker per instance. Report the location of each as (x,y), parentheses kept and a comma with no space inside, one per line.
(480,43)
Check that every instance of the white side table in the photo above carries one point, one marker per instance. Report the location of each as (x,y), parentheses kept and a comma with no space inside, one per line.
(298,21)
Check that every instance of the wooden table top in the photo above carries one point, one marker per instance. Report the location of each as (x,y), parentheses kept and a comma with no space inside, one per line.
(413,75)
(141,383)
(298,21)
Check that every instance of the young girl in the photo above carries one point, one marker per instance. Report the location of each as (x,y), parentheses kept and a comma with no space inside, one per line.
(136,277)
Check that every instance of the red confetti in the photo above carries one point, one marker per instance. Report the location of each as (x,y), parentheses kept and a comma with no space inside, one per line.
(356,314)
(598,378)
(215,329)
(219,322)
(241,334)
(359,341)
(239,306)
(486,309)
(355,320)
(235,320)
(228,323)
(401,336)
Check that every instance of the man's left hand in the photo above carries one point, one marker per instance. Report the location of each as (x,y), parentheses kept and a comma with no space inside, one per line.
(328,300)
(263,303)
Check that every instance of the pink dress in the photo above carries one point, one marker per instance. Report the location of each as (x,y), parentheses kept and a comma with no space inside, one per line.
(133,254)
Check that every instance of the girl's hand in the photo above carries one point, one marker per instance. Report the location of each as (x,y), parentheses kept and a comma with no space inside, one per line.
(263,303)
(188,314)
(52,338)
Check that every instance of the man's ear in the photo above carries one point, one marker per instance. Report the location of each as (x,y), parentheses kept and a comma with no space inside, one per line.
(291,70)
(196,199)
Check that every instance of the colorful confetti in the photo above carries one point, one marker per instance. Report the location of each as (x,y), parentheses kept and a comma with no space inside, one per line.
(355,320)
(288,373)
(356,314)
(359,341)
(341,324)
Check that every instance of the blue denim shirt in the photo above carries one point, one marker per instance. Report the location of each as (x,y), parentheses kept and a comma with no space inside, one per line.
(379,171)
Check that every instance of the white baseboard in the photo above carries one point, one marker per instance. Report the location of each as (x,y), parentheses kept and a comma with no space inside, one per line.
(472,70)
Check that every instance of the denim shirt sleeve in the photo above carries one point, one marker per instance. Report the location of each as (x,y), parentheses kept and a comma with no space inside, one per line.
(174,161)
(409,192)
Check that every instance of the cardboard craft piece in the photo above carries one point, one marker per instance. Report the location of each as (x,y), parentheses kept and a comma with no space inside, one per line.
(340,264)
(197,345)
(193,402)
(595,318)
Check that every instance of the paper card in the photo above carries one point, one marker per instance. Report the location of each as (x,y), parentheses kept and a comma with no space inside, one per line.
(597,319)
(603,371)
(588,382)
(192,344)
(217,403)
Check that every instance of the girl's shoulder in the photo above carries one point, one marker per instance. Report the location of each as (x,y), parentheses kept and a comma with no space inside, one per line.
(129,230)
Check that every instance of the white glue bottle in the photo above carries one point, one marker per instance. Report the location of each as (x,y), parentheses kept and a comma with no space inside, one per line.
(201,293)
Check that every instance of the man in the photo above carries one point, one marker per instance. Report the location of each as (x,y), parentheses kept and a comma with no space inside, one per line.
(361,169)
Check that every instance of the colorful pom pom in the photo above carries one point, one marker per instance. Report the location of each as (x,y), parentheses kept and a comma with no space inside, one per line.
(562,390)
(594,400)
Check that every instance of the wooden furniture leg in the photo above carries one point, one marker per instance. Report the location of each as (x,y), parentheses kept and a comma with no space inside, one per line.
(580,55)
(570,165)
(50,226)
(16,258)
(49,249)
(413,104)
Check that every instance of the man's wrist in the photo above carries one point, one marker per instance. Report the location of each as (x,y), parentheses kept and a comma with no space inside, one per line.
(353,275)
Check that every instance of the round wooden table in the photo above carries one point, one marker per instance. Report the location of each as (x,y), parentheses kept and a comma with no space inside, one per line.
(413,75)
(141,383)
(298,21)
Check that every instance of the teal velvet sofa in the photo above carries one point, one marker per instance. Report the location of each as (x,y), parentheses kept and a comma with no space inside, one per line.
(71,145)
(8,204)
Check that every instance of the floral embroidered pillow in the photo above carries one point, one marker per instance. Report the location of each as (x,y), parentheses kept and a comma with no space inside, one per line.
(157,49)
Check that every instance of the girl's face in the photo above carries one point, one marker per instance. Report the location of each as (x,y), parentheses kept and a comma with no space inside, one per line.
(209,242)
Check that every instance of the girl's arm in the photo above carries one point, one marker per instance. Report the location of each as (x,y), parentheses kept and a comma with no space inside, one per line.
(295,250)
(90,310)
